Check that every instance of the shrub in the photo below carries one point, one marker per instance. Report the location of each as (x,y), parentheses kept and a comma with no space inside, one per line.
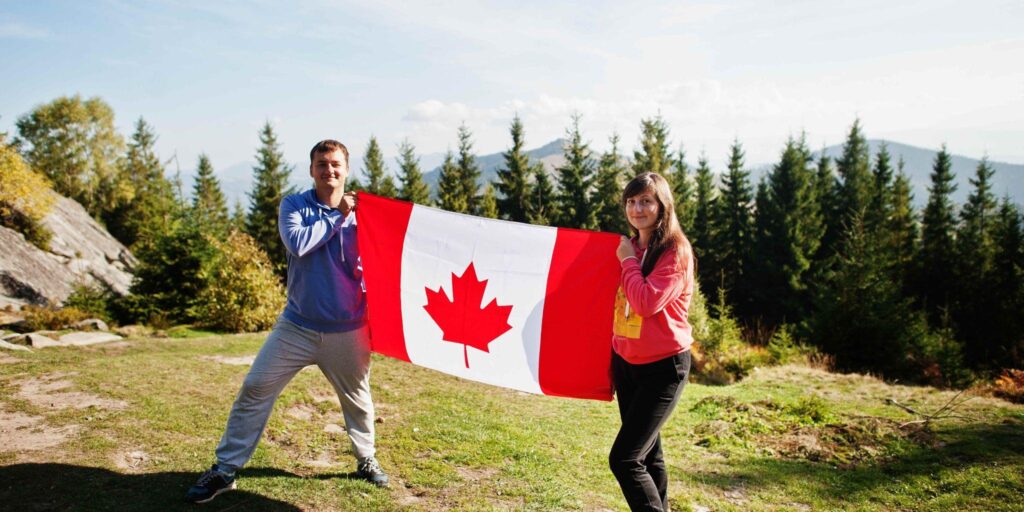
(93,300)
(25,197)
(1010,385)
(51,318)
(785,349)
(169,278)
(243,294)
(721,356)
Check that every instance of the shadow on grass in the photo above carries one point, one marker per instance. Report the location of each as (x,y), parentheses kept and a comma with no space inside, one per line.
(31,487)
(974,447)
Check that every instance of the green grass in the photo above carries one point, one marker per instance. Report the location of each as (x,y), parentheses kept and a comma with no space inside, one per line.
(787,438)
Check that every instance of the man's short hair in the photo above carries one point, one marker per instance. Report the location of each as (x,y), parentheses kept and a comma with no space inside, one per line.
(326,146)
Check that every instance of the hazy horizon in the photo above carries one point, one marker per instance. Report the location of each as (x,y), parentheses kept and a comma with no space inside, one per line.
(206,77)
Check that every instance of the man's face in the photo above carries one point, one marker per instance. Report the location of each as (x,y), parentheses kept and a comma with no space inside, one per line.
(329,169)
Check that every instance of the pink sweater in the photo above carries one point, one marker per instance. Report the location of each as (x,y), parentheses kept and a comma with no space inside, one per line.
(651,312)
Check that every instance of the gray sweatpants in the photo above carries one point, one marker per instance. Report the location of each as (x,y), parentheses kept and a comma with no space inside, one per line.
(343,357)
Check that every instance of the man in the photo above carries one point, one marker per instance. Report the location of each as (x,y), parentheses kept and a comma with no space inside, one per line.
(324,323)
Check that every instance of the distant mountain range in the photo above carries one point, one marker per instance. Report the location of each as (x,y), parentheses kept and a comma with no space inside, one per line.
(1008,179)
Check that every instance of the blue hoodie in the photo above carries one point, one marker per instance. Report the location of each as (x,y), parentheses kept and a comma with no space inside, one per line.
(325,275)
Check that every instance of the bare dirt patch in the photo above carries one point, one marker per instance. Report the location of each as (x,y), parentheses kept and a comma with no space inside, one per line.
(131,461)
(48,392)
(24,432)
(232,360)
(6,359)
(476,474)
(300,412)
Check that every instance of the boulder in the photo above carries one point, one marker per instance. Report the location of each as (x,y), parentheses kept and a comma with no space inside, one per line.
(39,341)
(91,323)
(133,331)
(12,346)
(81,251)
(86,338)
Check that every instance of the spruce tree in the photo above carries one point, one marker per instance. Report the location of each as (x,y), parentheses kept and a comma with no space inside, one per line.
(903,230)
(514,178)
(269,188)
(413,189)
(209,208)
(608,209)
(1006,348)
(237,221)
(855,187)
(826,192)
(975,308)
(682,190)
(881,198)
(489,203)
(936,285)
(377,180)
(469,171)
(575,179)
(153,207)
(861,318)
(703,211)
(788,231)
(543,208)
(734,236)
(653,154)
(450,194)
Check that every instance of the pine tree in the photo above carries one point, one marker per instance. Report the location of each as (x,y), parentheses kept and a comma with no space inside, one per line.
(653,155)
(413,189)
(469,171)
(209,208)
(514,178)
(543,208)
(974,308)
(575,179)
(153,206)
(489,203)
(269,188)
(935,282)
(377,180)
(608,209)
(703,211)
(788,231)
(854,192)
(682,190)
(450,194)
(733,241)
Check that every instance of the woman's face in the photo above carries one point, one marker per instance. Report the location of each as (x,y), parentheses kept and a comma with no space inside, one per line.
(642,211)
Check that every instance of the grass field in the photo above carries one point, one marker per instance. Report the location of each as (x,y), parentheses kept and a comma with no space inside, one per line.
(128,425)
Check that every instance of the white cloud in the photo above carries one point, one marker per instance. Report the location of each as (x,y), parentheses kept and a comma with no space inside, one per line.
(14,30)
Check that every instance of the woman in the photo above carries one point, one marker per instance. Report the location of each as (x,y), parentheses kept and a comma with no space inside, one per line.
(652,337)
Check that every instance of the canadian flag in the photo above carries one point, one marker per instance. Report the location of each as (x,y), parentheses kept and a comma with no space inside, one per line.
(504,303)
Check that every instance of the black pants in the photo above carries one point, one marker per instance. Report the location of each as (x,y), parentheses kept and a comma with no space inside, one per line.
(647,394)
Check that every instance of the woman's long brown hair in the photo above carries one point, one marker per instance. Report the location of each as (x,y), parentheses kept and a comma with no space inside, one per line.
(668,234)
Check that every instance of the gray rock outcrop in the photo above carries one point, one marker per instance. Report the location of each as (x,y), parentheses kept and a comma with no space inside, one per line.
(81,251)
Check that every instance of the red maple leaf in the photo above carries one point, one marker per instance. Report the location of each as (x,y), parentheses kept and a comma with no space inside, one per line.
(461,318)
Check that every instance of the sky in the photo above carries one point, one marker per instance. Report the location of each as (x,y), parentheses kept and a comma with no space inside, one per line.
(207,75)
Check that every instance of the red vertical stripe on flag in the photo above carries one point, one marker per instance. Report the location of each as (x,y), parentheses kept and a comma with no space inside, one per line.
(576,332)
(381,237)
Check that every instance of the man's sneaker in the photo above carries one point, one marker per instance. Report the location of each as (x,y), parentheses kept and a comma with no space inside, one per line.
(209,485)
(370,470)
